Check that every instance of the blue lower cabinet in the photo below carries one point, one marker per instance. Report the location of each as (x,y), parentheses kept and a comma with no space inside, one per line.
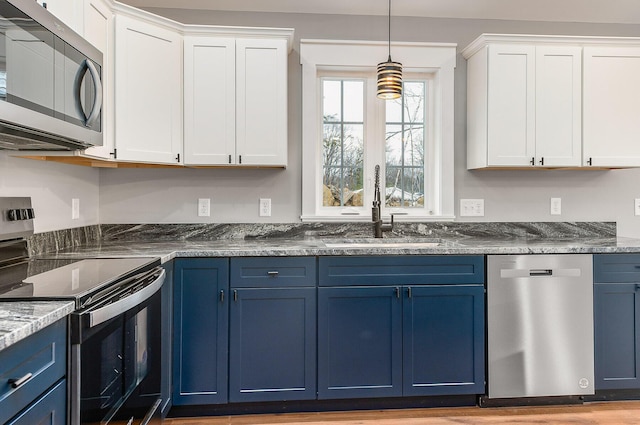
(272,344)
(359,342)
(49,409)
(617,335)
(443,340)
(200,331)
(400,341)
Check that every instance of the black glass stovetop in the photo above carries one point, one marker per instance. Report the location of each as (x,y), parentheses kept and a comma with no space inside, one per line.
(41,279)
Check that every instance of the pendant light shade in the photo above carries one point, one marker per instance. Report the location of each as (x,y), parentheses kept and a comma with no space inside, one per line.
(389,74)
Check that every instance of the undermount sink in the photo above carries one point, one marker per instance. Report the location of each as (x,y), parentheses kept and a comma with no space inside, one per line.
(385,243)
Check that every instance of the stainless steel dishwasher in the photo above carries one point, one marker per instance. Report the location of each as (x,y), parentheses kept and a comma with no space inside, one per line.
(540,325)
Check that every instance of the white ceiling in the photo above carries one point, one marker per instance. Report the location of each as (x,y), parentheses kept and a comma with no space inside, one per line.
(605,11)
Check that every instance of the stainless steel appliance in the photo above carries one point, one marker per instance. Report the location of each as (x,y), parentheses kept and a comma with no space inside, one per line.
(540,325)
(50,82)
(115,332)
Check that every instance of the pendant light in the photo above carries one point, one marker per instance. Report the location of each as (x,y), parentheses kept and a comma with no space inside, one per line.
(389,74)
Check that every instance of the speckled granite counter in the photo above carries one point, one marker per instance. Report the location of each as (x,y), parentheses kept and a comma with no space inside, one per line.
(357,246)
(20,319)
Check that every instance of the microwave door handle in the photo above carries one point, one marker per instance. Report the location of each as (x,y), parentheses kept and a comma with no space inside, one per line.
(110,311)
(97,93)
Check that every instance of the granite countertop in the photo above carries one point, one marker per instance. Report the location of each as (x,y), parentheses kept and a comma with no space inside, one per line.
(278,247)
(19,319)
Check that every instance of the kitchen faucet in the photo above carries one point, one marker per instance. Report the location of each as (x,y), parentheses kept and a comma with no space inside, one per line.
(376,216)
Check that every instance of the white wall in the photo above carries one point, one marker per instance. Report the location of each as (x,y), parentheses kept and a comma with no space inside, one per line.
(51,187)
(166,196)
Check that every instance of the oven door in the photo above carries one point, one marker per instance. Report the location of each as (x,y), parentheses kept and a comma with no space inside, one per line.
(116,355)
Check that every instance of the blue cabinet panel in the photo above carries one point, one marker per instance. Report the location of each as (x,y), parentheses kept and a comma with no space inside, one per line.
(617,336)
(44,356)
(49,409)
(201,320)
(269,272)
(443,340)
(272,344)
(167,338)
(359,342)
(616,268)
(400,270)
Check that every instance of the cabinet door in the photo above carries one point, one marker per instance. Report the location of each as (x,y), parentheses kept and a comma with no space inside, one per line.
(98,30)
(558,106)
(261,109)
(359,342)
(148,93)
(617,336)
(443,340)
(511,105)
(200,331)
(209,100)
(272,344)
(49,409)
(68,11)
(611,109)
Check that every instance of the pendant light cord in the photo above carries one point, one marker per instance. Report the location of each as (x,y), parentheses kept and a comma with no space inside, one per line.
(389,30)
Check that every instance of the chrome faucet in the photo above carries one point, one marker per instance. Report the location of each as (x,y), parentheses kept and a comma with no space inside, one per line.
(376,215)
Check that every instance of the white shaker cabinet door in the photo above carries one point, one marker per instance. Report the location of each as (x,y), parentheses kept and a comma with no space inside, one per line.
(558,106)
(511,105)
(209,101)
(611,106)
(98,30)
(261,102)
(68,11)
(148,97)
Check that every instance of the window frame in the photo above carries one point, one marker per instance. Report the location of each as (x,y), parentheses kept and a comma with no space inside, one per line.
(327,58)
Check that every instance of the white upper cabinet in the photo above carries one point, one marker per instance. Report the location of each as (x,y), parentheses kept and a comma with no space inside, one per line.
(68,11)
(148,92)
(235,92)
(523,104)
(261,106)
(98,30)
(209,100)
(612,106)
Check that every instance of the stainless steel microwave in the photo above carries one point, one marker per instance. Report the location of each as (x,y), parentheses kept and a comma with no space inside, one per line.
(50,82)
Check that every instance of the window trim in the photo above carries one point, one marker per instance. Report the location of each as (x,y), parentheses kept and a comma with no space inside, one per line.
(438,59)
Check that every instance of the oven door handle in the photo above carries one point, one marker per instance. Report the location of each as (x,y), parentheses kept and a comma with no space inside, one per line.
(110,311)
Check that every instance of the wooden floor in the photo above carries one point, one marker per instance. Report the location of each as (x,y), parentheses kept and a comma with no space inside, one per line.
(610,413)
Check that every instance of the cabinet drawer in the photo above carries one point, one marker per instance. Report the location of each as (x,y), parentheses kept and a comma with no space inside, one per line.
(616,268)
(43,355)
(264,272)
(401,270)
(50,409)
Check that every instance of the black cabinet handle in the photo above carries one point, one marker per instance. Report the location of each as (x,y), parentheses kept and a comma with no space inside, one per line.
(533,161)
(221,296)
(18,382)
(235,295)
(397,290)
(542,161)
(409,292)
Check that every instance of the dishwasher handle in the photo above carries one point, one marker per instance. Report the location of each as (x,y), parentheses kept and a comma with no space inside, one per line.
(541,272)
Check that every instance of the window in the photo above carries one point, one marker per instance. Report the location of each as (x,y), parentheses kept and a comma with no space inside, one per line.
(347,131)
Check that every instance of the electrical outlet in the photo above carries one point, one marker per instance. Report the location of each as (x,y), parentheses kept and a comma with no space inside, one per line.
(75,208)
(204,207)
(637,206)
(472,207)
(265,207)
(555,206)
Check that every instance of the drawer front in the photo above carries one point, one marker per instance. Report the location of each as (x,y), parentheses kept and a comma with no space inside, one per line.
(265,272)
(43,355)
(616,268)
(50,409)
(401,270)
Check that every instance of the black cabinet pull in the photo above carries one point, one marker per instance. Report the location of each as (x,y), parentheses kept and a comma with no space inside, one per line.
(590,161)
(239,159)
(178,158)
(235,295)
(542,161)
(18,382)
(229,159)
(397,290)
(221,296)
(533,160)
(409,292)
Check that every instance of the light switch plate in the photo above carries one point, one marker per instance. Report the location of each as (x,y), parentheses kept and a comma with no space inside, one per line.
(637,206)
(472,207)
(75,208)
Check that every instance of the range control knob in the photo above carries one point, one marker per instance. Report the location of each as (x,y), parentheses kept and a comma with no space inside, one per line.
(19,214)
